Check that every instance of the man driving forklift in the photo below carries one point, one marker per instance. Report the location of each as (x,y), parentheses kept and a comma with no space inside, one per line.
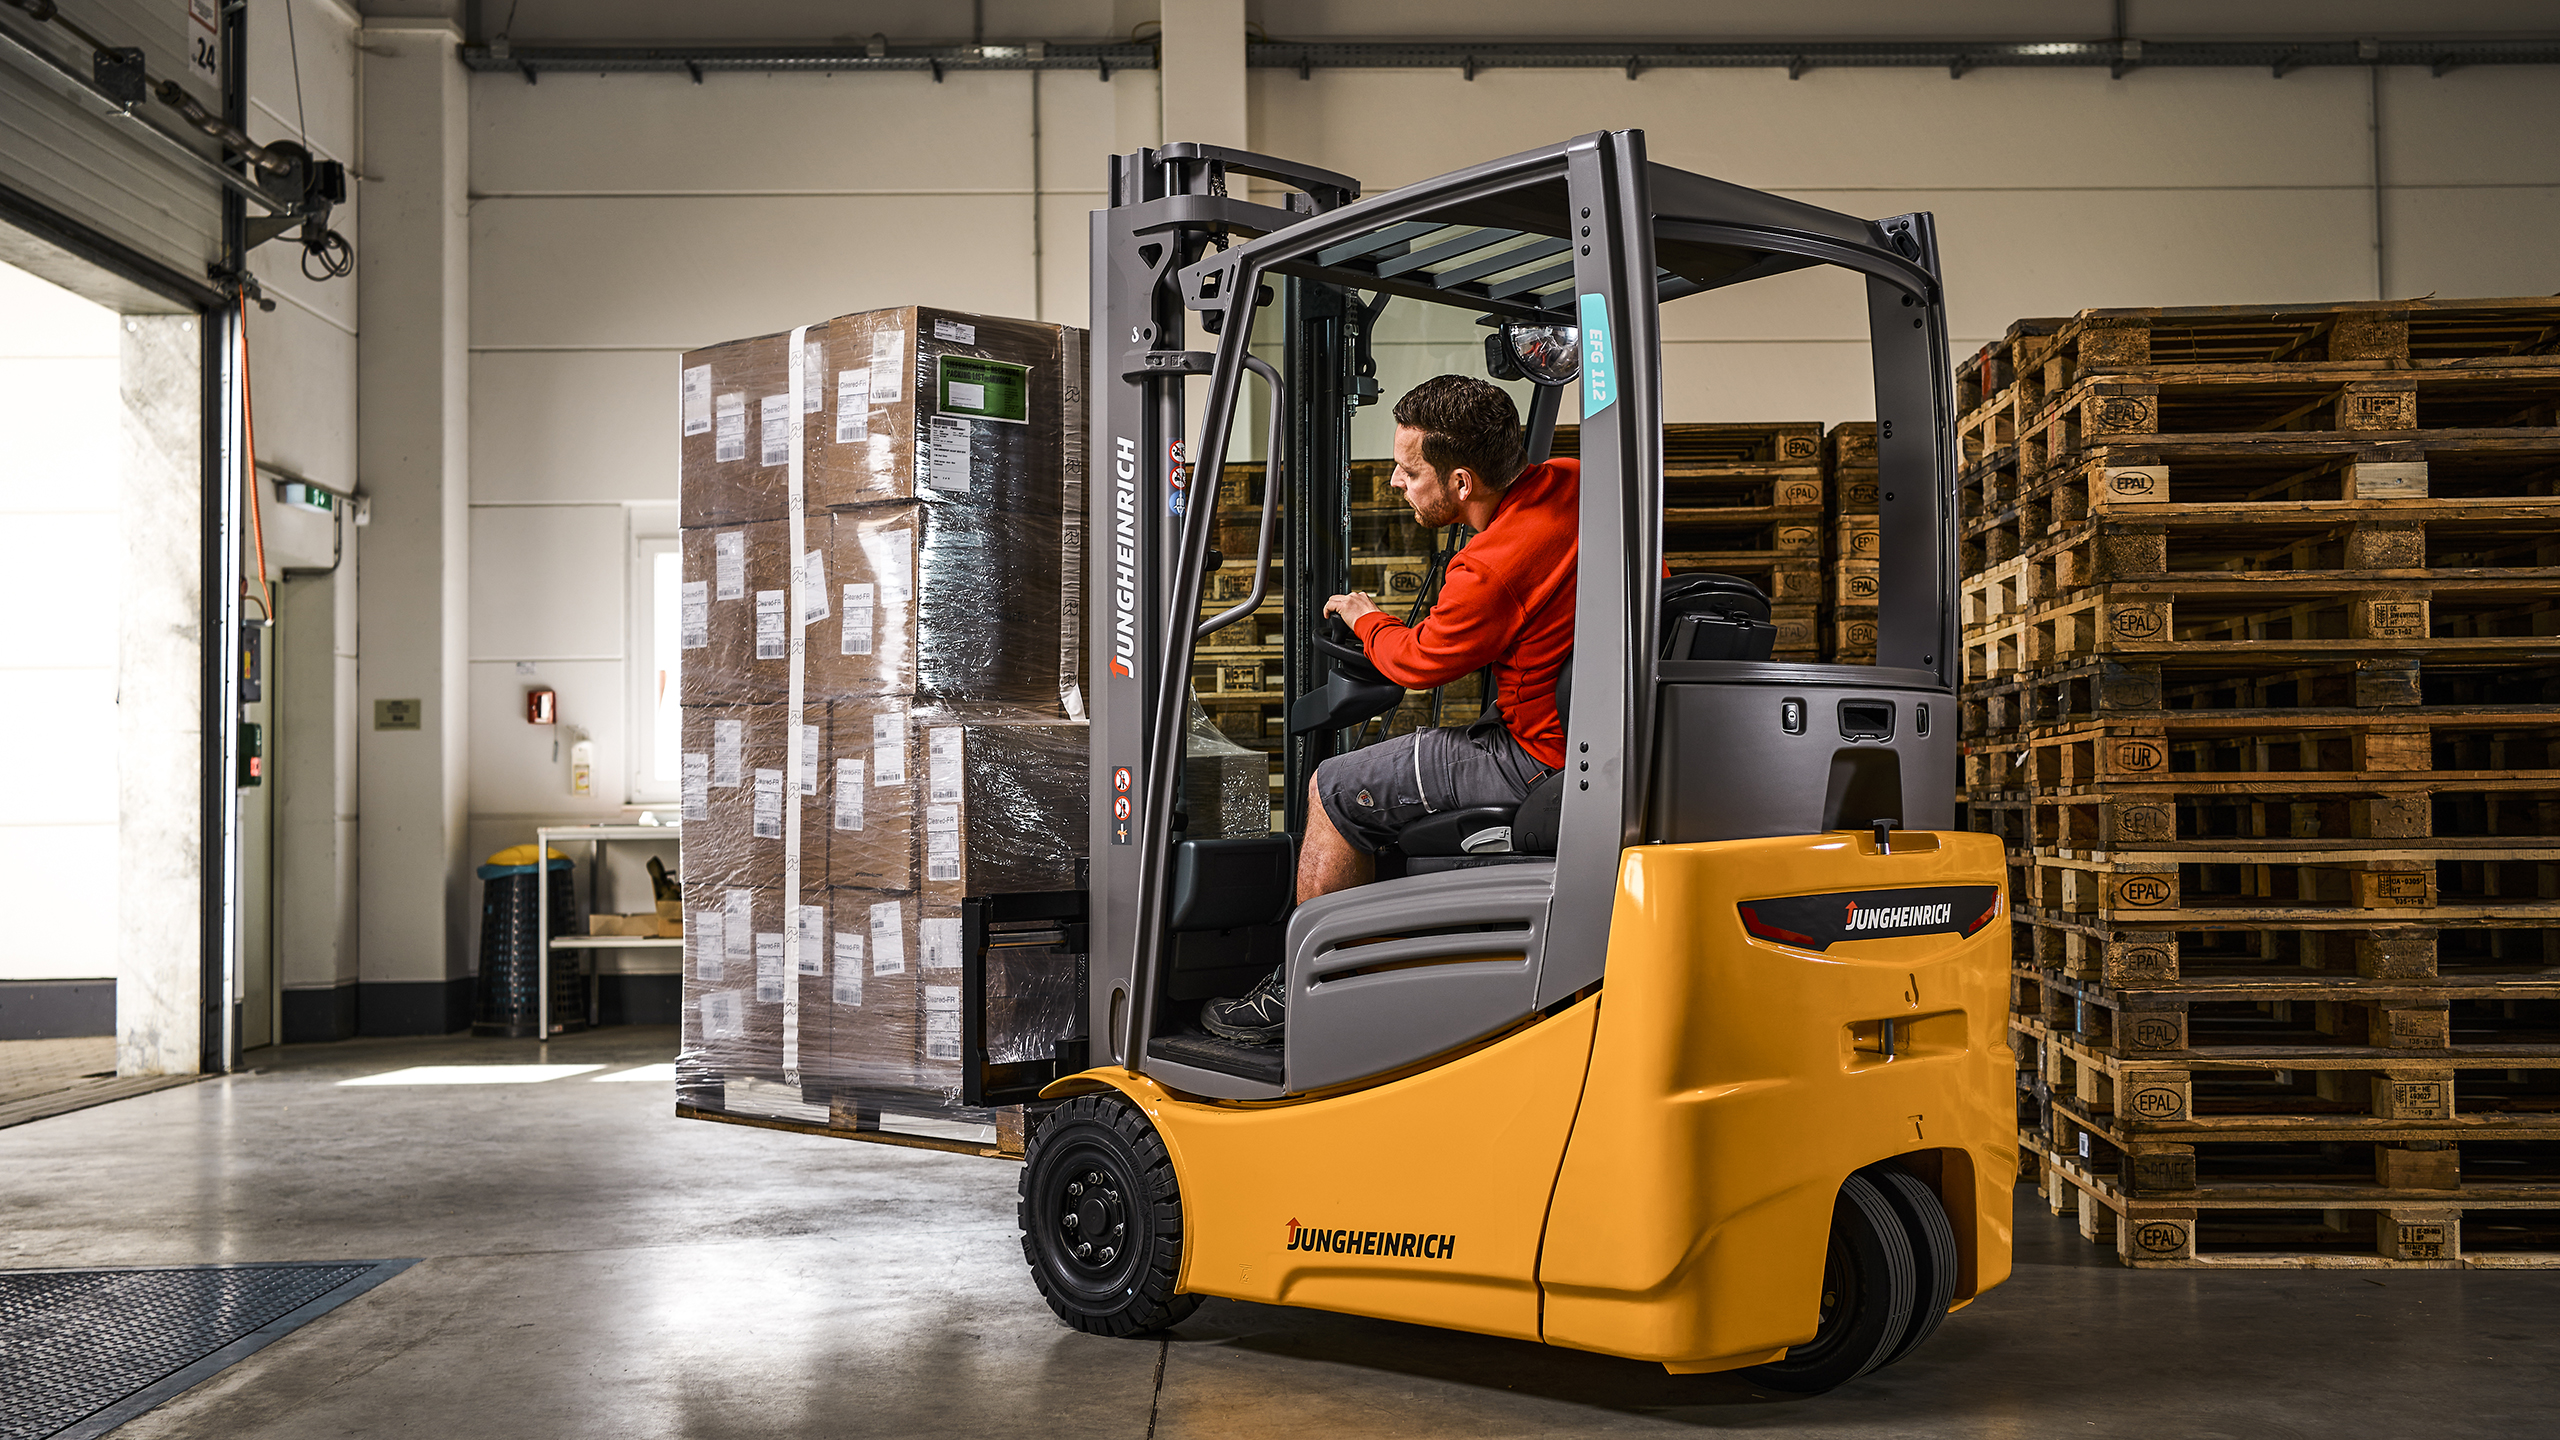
(1507,602)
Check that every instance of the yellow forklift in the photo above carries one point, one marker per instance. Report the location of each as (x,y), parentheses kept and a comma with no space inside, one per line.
(1699,1055)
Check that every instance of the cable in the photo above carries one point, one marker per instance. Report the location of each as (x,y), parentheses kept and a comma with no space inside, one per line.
(293,44)
(249,436)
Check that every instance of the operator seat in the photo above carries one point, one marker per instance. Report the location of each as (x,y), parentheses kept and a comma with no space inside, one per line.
(1704,617)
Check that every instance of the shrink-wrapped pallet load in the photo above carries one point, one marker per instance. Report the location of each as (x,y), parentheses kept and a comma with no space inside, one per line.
(931,465)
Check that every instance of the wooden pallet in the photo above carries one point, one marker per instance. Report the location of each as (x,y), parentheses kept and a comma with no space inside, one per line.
(2387,331)
(851,1121)
(1707,447)
(2283,881)
(2330,1230)
(2342,949)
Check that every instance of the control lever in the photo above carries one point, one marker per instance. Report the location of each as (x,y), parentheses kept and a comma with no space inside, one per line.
(1884,835)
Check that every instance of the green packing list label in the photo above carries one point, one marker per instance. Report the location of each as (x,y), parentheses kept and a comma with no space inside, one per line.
(984,389)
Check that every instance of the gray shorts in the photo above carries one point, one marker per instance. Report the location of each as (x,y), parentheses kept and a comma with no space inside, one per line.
(1374,792)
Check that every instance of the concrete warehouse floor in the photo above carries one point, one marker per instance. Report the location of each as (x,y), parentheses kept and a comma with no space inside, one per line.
(595,1267)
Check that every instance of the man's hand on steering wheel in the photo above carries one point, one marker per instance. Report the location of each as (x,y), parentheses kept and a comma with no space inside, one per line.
(1351,607)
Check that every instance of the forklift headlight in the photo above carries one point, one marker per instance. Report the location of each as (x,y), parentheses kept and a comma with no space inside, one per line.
(1545,354)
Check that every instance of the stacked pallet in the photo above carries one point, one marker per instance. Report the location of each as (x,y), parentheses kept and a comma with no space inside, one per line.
(2262,634)
(1851,552)
(1746,500)
(928,623)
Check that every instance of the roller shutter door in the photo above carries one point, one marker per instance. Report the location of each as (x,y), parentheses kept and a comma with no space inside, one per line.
(64,151)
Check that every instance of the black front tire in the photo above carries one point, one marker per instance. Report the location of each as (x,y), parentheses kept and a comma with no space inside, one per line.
(1933,1251)
(1101,1219)
(1869,1285)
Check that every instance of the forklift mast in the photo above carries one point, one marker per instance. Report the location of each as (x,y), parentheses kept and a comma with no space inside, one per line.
(1588,236)
(1169,207)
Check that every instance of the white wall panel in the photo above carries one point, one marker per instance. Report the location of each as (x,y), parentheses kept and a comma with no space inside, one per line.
(573,425)
(302,376)
(682,272)
(547,582)
(2014,254)
(2490,125)
(1840,128)
(321,39)
(789,134)
(513,768)
(2473,242)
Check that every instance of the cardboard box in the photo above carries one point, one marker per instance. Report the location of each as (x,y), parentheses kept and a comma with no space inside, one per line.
(734,611)
(941,406)
(651,926)
(945,602)
(735,978)
(870,1025)
(733,777)
(875,773)
(734,450)
(1003,806)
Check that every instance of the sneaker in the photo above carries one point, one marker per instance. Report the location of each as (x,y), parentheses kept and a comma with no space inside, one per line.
(1257,1019)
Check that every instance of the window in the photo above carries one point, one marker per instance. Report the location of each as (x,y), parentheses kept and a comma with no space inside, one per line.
(655,657)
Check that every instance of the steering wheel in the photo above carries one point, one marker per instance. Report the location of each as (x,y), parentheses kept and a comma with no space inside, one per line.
(1350,658)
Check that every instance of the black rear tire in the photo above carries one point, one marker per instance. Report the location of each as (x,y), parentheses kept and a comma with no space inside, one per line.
(1101,1219)
(1869,1283)
(1933,1252)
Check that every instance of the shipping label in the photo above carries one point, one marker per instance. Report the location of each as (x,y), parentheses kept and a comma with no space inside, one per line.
(728,747)
(768,805)
(853,407)
(693,615)
(849,792)
(693,785)
(888,938)
(693,386)
(848,986)
(943,745)
(947,462)
(888,363)
(857,619)
(702,933)
(813,587)
(769,967)
(889,748)
(942,1022)
(729,563)
(774,428)
(729,428)
(773,608)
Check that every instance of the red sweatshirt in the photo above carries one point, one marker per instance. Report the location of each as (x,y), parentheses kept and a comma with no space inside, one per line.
(1507,601)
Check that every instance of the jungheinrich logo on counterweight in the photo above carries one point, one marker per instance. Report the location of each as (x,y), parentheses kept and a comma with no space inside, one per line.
(1818,922)
(1404,1244)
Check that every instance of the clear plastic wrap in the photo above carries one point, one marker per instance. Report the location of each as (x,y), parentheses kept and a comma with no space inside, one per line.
(1226,788)
(941,487)
(733,455)
(733,770)
(945,602)
(934,405)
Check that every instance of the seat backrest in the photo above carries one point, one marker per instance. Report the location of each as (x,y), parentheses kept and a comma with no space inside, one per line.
(1715,617)
(1701,593)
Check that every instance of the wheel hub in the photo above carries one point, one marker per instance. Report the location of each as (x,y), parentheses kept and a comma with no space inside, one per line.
(1092,1220)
